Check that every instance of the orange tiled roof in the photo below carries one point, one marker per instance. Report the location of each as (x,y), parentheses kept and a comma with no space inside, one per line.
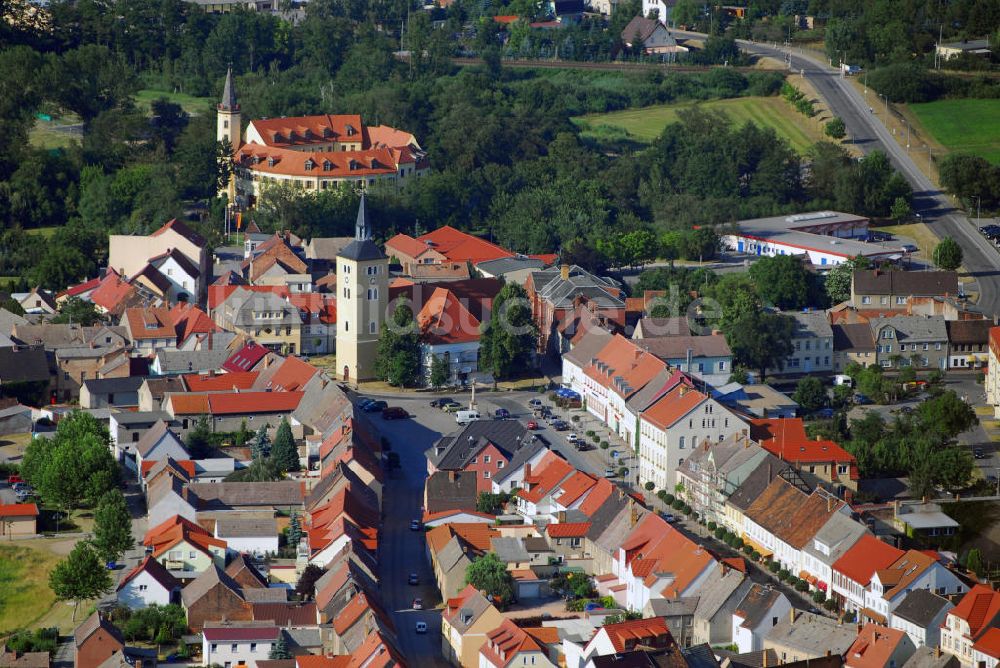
(186,464)
(235,403)
(406,245)
(623,367)
(199,382)
(635,631)
(458,246)
(574,487)
(989,643)
(550,472)
(979,608)
(316,129)
(672,406)
(320,661)
(444,319)
(865,557)
(292,375)
(873,647)
(112,291)
(598,495)
(567,529)
(18,510)
(504,643)
(904,571)
(475,534)
(786,438)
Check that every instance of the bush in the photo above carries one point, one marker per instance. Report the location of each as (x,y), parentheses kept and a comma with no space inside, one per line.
(720,533)
(686,509)
(668,498)
(747,549)
(819,596)
(677,504)
(662,495)
(904,82)
(801,585)
(604,445)
(755,555)
(738,543)
(575,418)
(589,433)
(830,604)
(596,438)
(650,486)
(773,566)
(784,574)
(712,525)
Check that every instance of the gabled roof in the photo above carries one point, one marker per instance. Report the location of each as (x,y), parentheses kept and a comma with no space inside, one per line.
(757,603)
(874,647)
(790,514)
(980,608)
(463,610)
(92,624)
(573,488)
(212,382)
(567,529)
(156,570)
(623,366)
(236,403)
(673,406)
(206,582)
(916,283)
(543,480)
(865,557)
(292,375)
(245,358)
(897,577)
(504,643)
(921,607)
(626,635)
(458,448)
(459,246)
(181,229)
(989,643)
(18,510)
(443,319)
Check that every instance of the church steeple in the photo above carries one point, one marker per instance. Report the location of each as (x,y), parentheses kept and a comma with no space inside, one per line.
(229,101)
(363,226)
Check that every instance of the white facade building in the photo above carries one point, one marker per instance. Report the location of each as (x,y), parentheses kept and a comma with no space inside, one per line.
(237,644)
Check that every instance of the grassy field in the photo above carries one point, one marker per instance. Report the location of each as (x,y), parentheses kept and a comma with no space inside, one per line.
(645,124)
(46,134)
(44,232)
(191,104)
(968,126)
(25,597)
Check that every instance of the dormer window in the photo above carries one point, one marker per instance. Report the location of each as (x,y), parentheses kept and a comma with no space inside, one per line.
(307,134)
(271,161)
(326,132)
(375,164)
(352,164)
(350,130)
(327,165)
(277,137)
(310,164)
(254,159)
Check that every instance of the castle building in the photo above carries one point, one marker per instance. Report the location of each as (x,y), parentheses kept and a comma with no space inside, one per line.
(313,153)
(362,297)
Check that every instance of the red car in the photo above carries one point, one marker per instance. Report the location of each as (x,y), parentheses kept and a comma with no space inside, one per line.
(13,479)
(532,424)
(394,413)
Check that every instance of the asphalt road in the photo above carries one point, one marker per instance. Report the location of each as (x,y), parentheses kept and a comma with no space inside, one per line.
(868,131)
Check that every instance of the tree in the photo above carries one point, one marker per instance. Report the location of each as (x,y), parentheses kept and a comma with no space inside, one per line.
(835,128)
(306,586)
(283,452)
(974,562)
(199,439)
(509,337)
(112,526)
(262,469)
(280,648)
(685,13)
(781,280)
(810,394)
(80,576)
(970,176)
(490,575)
(948,254)
(761,340)
(488,502)
(901,210)
(947,414)
(397,357)
(838,279)
(440,371)
(78,312)
(294,530)
(261,447)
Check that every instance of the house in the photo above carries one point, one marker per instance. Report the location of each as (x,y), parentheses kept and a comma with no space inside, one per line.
(170,362)
(212,596)
(556,293)
(534,498)
(181,545)
(679,615)
(450,491)
(528,456)
(879,647)
(973,618)
(853,572)
(156,443)
(128,255)
(445,244)
(36,302)
(931,657)
(812,344)
(662,8)
(247,534)
(803,635)
(149,583)
(511,645)
(18,520)
(110,392)
(852,344)
(228,410)
(877,288)
(511,269)
(483,447)
(914,569)
(466,620)
(15,659)
(15,419)
(651,36)
(263,315)
(830,543)
(986,650)
(673,426)
(581,355)
(821,460)
(24,373)
(450,332)
(707,357)
(976,47)
(755,615)
(95,640)
(238,643)
(926,520)
(920,615)
(452,547)
(713,471)
(626,636)
(920,341)
(968,343)
(717,601)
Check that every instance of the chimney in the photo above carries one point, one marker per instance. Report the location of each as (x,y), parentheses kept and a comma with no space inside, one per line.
(828,652)
(451,476)
(527,471)
(791,616)
(829,504)
(724,568)
(564,272)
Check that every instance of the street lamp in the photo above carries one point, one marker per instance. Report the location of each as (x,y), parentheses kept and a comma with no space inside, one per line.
(886,106)
(979,201)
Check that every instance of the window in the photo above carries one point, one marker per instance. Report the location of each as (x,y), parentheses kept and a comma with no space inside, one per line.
(500,463)
(842,469)
(900,300)
(213,647)
(486,474)
(234,647)
(902,347)
(474,460)
(884,300)
(192,554)
(347,326)
(486,459)
(680,443)
(774,621)
(225,124)
(937,346)
(143,587)
(864,300)
(888,333)
(253,647)
(372,327)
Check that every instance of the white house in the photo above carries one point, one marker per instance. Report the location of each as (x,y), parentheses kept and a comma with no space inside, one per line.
(237,643)
(534,499)
(756,614)
(249,535)
(913,570)
(182,274)
(149,583)
(674,425)
(624,637)
(157,443)
(853,572)
(972,625)
(829,544)
(920,616)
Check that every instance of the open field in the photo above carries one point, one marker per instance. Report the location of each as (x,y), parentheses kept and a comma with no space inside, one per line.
(191,104)
(25,597)
(645,124)
(44,232)
(966,125)
(60,132)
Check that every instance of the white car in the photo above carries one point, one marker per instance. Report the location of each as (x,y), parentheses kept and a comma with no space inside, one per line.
(421,627)
(572,437)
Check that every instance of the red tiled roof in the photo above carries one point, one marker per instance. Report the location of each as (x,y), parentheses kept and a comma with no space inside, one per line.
(245,358)
(672,406)
(978,608)
(504,643)
(18,510)
(181,229)
(150,323)
(81,288)
(622,361)
(444,319)
(574,487)
(645,631)
(736,563)
(328,164)
(112,291)
(186,464)
(293,131)
(351,613)
(189,320)
(567,529)
(406,245)
(286,614)
(873,647)
(989,643)
(598,495)
(865,557)
(459,246)
(547,258)
(236,403)
(506,18)
(217,294)
(550,472)
(786,438)
(319,661)
(292,375)
(200,382)
(229,633)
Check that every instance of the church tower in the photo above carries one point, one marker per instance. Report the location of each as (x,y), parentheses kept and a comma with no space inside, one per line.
(362,297)
(228,114)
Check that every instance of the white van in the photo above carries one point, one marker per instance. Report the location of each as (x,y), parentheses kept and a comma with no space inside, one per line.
(465,417)
(843,379)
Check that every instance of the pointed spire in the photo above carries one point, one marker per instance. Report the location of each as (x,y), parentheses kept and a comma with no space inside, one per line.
(229,102)
(363,227)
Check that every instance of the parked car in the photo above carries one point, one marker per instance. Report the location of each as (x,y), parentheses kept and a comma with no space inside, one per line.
(501,414)
(572,437)
(978,453)
(581,445)
(14,479)
(824,413)
(861,399)
(465,417)
(375,407)
(535,403)
(452,407)
(414,579)
(441,403)
(560,425)
(610,473)
(394,413)
(414,525)
(532,425)
(421,627)
(418,604)
(365,401)
(668,517)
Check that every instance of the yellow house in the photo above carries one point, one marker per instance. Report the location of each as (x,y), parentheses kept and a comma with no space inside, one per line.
(465,622)
(18,520)
(269,319)
(181,545)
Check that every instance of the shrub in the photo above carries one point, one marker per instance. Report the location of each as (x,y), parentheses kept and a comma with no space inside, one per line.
(686,509)
(589,433)
(773,566)
(747,549)
(720,533)
(755,555)
(623,471)
(677,504)
(662,495)
(604,445)
(712,525)
(650,486)
(738,542)
(830,604)
(819,596)
(801,585)
(783,575)
(668,498)
(595,437)
(575,418)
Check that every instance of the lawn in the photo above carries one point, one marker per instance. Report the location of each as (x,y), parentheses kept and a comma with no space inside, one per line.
(965,125)
(645,124)
(59,132)
(191,104)
(44,232)
(25,596)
